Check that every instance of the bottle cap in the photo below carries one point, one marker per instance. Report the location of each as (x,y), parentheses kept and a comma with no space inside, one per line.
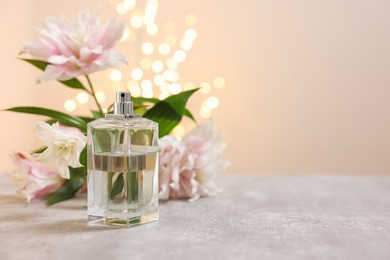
(123,104)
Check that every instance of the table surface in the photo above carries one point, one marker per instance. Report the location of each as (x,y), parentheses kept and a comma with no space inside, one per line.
(256,217)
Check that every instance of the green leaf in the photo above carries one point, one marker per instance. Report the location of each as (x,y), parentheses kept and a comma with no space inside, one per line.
(165,115)
(67,191)
(140,100)
(179,101)
(118,185)
(169,112)
(96,114)
(86,119)
(73,83)
(40,64)
(40,150)
(188,114)
(66,119)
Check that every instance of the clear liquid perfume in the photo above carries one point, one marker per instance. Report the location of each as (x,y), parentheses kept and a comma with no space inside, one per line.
(122,167)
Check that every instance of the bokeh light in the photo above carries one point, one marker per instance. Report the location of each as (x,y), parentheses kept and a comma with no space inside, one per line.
(170,39)
(152,29)
(213,102)
(157,66)
(171,64)
(115,75)
(82,98)
(159,80)
(175,88)
(136,21)
(121,8)
(169,27)
(179,56)
(205,87)
(146,85)
(145,63)
(179,131)
(147,48)
(164,48)
(219,82)
(118,86)
(137,73)
(70,105)
(100,96)
(191,19)
(135,91)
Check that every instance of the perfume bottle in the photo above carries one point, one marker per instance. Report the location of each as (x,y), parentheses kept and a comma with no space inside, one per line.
(122,167)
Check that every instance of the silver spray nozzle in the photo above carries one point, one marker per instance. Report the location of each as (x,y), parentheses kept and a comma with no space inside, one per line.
(123,104)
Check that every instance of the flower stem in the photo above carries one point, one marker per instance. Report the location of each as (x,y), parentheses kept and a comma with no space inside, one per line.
(94,95)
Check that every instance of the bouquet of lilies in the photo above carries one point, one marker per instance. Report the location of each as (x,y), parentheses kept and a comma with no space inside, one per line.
(69,51)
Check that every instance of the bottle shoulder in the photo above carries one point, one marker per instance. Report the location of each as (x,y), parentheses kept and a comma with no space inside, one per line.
(125,123)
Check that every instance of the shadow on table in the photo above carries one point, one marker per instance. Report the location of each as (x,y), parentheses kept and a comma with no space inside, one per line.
(74,226)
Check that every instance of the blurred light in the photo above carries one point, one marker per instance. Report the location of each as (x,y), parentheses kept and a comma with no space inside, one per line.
(159,80)
(170,39)
(157,66)
(147,93)
(115,75)
(125,35)
(121,8)
(190,34)
(117,86)
(137,74)
(70,105)
(152,29)
(148,19)
(175,88)
(164,48)
(147,48)
(191,19)
(132,83)
(104,110)
(130,4)
(176,76)
(205,87)
(189,85)
(136,21)
(186,45)
(82,98)
(114,2)
(179,130)
(205,114)
(165,88)
(169,27)
(135,91)
(146,85)
(219,82)
(137,12)
(213,102)
(169,75)
(179,55)
(145,63)
(100,96)
(132,36)
(163,95)
(171,64)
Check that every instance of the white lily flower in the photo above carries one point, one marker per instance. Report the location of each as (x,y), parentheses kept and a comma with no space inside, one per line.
(64,145)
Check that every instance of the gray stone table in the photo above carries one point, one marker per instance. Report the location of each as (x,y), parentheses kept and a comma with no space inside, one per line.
(256,217)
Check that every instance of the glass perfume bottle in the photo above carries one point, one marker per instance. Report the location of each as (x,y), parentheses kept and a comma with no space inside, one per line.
(122,167)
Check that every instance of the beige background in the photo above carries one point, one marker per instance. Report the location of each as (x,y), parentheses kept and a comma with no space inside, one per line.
(308,82)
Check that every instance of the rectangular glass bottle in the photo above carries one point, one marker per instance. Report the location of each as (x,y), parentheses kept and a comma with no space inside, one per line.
(122,167)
